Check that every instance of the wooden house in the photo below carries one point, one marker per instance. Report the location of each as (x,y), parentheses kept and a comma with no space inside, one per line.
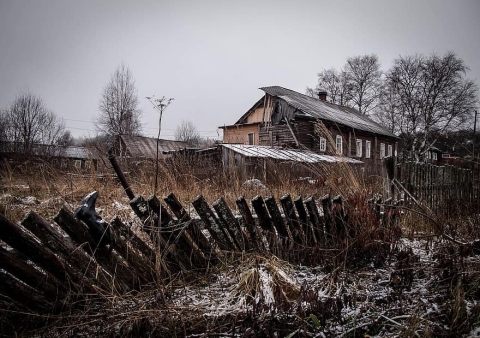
(285,118)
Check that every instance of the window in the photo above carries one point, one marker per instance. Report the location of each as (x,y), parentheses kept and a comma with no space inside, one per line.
(78,163)
(250,138)
(390,150)
(382,150)
(87,165)
(434,156)
(64,163)
(323,144)
(368,148)
(359,148)
(339,145)
(445,155)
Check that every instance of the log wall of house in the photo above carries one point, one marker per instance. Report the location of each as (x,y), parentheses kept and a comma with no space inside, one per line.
(280,135)
(239,133)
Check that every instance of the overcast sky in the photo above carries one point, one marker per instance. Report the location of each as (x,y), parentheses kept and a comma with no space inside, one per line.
(211,56)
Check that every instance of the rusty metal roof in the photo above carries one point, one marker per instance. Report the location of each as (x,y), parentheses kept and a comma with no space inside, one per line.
(278,153)
(146,147)
(310,106)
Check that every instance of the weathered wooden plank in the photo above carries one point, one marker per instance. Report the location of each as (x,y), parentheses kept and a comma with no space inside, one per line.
(230,223)
(25,243)
(277,218)
(304,221)
(160,240)
(142,266)
(24,294)
(289,211)
(212,224)
(252,229)
(262,214)
(16,264)
(327,215)
(109,261)
(315,219)
(178,234)
(84,268)
(339,214)
(194,231)
(136,242)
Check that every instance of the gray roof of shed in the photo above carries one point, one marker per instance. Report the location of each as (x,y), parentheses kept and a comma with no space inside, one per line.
(323,110)
(278,153)
(146,147)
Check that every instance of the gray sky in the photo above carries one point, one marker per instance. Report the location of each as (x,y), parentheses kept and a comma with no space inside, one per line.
(211,56)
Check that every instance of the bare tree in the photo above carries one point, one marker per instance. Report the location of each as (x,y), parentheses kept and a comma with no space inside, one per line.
(187,132)
(27,122)
(364,79)
(357,85)
(119,113)
(335,83)
(427,95)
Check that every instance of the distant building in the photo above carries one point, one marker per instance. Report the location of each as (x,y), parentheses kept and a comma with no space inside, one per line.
(285,118)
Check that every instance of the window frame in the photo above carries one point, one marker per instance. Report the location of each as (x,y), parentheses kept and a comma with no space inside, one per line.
(389,150)
(323,144)
(78,164)
(382,150)
(359,149)
(339,145)
(252,142)
(368,149)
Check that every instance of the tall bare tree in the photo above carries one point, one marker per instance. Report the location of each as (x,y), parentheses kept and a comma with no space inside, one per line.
(364,79)
(187,132)
(335,83)
(357,85)
(27,123)
(428,94)
(119,112)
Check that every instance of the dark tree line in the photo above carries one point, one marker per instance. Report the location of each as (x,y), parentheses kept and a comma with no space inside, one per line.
(28,126)
(417,98)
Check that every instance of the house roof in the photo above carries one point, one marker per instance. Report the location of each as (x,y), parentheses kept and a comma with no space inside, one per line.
(278,153)
(146,147)
(313,107)
(76,152)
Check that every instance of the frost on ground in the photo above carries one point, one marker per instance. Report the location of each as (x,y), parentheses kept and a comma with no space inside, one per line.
(412,294)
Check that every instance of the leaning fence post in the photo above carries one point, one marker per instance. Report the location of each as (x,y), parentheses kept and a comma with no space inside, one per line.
(288,209)
(302,214)
(230,223)
(212,224)
(250,223)
(315,218)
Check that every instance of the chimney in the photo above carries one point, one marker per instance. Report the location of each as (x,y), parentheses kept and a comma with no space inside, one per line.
(322,95)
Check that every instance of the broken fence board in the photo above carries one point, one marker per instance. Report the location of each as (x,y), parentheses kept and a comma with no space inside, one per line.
(212,224)
(230,223)
(109,261)
(84,270)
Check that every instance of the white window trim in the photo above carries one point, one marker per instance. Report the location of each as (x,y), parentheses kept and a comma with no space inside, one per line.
(339,145)
(382,150)
(390,150)
(323,144)
(78,164)
(368,149)
(359,148)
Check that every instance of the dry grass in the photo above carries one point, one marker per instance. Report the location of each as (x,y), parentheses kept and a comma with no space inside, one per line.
(257,295)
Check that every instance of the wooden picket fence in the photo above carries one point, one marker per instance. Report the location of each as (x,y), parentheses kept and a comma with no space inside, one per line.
(437,186)
(47,266)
